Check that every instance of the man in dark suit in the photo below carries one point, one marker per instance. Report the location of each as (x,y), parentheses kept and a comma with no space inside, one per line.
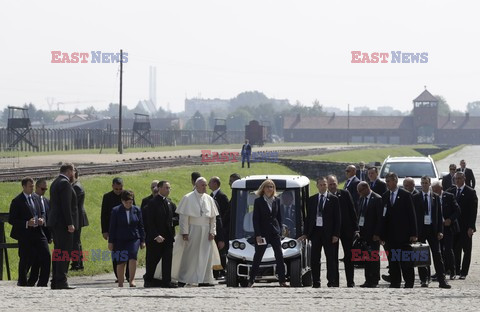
(469,176)
(40,189)
(409,186)
(369,222)
(245,153)
(430,228)
(349,225)
(62,220)
(467,200)
(82,222)
(449,180)
(451,213)
(351,184)
(146,200)
(376,185)
(322,227)
(362,172)
(27,219)
(160,236)
(222,241)
(399,228)
(110,200)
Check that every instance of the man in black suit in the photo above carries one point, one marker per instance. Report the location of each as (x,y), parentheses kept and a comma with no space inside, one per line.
(82,222)
(40,189)
(399,228)
(430,228)
(409,186)
(351,184)
(376,185)
(469,176)
(362,172)
(222,240)
(449,180)
(322,227)
(160,236)
(146,200)
(369,222)
(349,225)
(451,213)
(27,218)
(467,200)
(110,200)
(62,220)
(245,153)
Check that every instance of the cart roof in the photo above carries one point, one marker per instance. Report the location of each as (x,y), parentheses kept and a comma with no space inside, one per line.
(281,181)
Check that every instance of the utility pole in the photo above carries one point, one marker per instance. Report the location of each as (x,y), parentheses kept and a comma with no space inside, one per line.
(348,124)
(120,147)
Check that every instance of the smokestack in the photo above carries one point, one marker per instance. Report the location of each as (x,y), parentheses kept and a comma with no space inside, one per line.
(153,85)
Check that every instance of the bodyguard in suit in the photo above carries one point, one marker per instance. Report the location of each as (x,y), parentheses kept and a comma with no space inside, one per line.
(430,228)
(223,206)
(409,185)
(146,200)
(267,220)
(62,220)
(449,180)
(160,236)
(399,228)
(349,225)
(376,185)
(362,172)
(351,184)
(469,176)
(79,193)
(467,200)
(110,200)
(322,227)
(451,213)
(369,222)
(40,189)
(27,219)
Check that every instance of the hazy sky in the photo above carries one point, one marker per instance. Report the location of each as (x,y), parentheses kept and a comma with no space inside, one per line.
(299,50)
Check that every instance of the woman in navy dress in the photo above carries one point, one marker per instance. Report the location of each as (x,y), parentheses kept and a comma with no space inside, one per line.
(125,236)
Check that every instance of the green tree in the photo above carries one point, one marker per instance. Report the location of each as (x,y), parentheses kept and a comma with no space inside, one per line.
(443,107)
(473,108)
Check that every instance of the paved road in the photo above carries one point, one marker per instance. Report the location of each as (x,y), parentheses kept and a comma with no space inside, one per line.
(100,294)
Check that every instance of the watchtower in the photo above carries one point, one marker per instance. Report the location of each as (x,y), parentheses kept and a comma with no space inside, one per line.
(425,117)
(141,129)
(19,127)
(220,131)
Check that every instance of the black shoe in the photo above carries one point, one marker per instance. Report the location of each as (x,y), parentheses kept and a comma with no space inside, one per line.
(250,284)
(444,284)
(66,286)
(222,282)
(368,285)
(452,277)
(424,284)
(408,286)
(434,277)
(333,285)
(205,285)
(386,278)
(394,286)
(170,285)
(180,284)
(22,284)
(316,285)
(351,284)
(462,277)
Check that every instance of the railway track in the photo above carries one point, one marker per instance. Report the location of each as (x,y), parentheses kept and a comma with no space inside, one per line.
(141,164)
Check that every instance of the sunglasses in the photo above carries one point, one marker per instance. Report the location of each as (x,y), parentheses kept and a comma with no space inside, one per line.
(44,188)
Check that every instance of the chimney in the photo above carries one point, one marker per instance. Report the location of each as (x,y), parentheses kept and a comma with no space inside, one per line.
(467,116)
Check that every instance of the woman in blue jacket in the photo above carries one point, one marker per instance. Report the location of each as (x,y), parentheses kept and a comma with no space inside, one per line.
(125,236)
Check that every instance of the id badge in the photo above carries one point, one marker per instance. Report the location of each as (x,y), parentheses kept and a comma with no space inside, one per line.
(361,222)
(319,221)
(427,220)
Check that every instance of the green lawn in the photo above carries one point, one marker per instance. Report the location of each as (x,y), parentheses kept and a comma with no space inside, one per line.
(96,186)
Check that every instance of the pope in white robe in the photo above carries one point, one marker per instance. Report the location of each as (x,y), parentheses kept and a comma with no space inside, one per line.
(195,253)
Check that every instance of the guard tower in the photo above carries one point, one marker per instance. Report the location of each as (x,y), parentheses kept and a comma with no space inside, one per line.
(425,114)
(141,129)
(268,129)
(19,127)
(220,131)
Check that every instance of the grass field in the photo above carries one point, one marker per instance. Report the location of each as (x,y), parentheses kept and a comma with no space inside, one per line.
(96,186)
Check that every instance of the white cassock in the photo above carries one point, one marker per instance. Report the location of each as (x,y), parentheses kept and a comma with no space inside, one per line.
(193,260)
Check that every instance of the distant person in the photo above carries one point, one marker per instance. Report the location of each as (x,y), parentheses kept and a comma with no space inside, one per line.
(195,253)
(62,220)
(362,172)
(125,236)
(449,180)
(82,222)
(469,176)
(289,213)
(246,152)
(376,185)
(267,220)
(27,218)
(351,184)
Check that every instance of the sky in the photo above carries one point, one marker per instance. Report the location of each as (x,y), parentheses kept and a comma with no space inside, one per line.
(296,50)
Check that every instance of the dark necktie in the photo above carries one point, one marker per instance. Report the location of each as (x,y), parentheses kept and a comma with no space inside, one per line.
(425,204)
(459,191)
(320,206)
(364,206)
(392,198)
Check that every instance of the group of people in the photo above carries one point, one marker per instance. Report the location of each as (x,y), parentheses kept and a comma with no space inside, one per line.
(379,213)
(37,222)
